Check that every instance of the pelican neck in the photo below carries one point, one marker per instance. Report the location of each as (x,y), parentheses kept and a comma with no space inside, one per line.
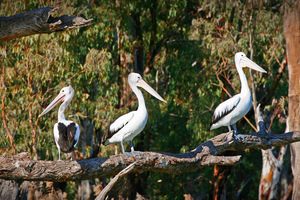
(243,79)
(62,109)
(140,97)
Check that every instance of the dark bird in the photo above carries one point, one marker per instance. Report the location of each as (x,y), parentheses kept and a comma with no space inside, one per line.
(66,132)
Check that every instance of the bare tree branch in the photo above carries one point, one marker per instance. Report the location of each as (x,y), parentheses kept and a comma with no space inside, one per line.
(20,167)
(111,183)
(36,22)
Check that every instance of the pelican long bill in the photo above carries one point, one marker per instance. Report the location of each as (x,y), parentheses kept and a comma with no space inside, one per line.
(149,89)
(57,100)
(246,62)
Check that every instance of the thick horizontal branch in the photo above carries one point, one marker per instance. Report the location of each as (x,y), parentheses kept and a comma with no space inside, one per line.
(20,167)
(35,22)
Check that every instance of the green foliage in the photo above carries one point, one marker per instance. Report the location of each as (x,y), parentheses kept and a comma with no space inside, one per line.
(188,70)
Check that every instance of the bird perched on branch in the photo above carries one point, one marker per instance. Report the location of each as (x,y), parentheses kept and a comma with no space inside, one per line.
(233,109)
(66,132)
(126,127)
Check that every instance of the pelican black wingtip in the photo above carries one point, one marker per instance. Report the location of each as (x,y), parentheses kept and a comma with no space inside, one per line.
(106,142)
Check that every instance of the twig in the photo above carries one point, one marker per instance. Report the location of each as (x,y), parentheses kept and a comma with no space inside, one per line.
(77,74)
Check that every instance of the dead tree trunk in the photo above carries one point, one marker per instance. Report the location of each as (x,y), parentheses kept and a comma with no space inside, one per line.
(291,25)
(36,22)
(272,168)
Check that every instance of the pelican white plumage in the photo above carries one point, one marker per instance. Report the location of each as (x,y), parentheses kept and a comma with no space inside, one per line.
(126,127)
(66,132)
(233,109)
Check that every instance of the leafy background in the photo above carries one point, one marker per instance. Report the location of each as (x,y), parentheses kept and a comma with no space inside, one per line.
(186,51)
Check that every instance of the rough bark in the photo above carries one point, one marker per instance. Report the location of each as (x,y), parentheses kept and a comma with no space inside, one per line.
(36,22)
(20,167)
(9,189)
(291,26)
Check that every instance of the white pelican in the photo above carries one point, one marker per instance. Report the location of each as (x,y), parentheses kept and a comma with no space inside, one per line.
(233,109)
(126,127)
(66,132)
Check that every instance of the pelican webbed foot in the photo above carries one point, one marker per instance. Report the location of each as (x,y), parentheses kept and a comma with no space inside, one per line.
(71,156)
(128,154)
(136,152)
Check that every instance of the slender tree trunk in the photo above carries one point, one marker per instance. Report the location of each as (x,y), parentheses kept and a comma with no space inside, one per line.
(291,25)
(138,48)
(218,187)
(123,61)
(150,60)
